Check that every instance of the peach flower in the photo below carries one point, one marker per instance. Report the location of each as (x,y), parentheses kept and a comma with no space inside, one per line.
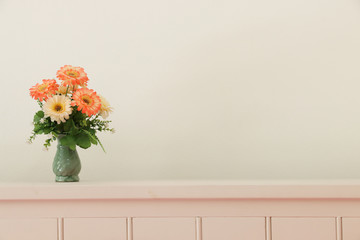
(87,101)
(72,76)
(43,91)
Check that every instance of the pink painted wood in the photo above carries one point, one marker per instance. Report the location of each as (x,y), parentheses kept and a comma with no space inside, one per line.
(233,228)
(164,228)
(351,228)
(341,189)
(30,228)
(95,228)
(181,210)
(303,228)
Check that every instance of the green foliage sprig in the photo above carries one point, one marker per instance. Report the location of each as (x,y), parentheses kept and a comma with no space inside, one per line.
(78,130)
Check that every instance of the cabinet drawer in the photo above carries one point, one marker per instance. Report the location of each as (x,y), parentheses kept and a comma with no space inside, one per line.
(303,228)
(95,228)
(39,229)
(164,228)
(233,228)
(351,228)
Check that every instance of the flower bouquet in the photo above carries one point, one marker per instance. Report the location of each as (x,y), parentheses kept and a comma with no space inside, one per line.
(70,113)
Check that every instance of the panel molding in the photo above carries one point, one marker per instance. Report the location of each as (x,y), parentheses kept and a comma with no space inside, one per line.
(198,228)
(339,235)
(129,228)
(268,235)
(60,228)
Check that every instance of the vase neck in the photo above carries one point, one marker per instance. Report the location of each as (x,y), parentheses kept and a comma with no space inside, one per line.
(60,145)
(60,136)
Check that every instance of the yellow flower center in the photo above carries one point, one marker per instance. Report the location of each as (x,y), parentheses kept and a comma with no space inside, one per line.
(73,74)
(42,87)
(87,100)
(58,108)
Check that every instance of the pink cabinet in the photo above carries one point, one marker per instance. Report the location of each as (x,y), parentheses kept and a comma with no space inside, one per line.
(30,228)
(351,228)
(180,211)
(164,228)
(233,228)
(303,228)
(95,228)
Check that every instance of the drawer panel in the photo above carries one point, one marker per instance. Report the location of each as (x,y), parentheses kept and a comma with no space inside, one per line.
(164,228)
(351,228)
(303,228)
(95,228)
(233,228)
(39,229)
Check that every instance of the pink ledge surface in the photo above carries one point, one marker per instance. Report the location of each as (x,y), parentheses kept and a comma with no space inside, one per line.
(284,189)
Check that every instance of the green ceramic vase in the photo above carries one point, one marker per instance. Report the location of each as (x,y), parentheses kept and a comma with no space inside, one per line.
(66,165)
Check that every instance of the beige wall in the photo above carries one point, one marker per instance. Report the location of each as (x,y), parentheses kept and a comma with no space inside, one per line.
(223,89)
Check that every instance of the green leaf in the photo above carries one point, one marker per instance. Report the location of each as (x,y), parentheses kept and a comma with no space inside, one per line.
(36,119)
(60,127)
(39,115)
(83,141)
(83,123)
(93,140)
(78,116)
(68,124)
(91,136)
(37,127)
(69,140)
(100,144)
(74,130)
(92,131)
(47,130)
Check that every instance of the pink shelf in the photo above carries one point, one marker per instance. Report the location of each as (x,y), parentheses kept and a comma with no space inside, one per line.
(340,189)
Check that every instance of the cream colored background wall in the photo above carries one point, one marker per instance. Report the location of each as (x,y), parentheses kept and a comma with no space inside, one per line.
(223,89)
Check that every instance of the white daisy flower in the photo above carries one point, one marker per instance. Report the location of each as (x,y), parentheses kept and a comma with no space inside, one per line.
(58,108)
(105,109)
